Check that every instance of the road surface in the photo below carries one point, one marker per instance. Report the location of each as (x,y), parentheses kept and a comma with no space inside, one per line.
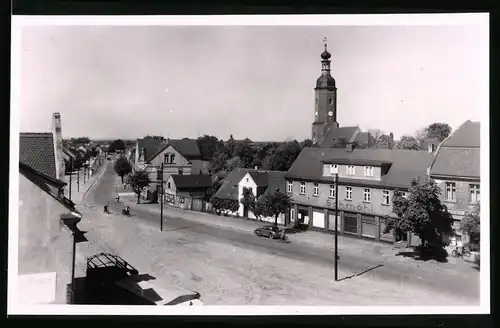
(462,285)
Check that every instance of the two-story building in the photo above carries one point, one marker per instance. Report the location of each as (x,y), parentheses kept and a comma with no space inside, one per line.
(367,179)
(456,169)
(178,156)
(259,182)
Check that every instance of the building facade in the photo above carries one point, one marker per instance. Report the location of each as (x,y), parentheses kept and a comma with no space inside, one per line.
(367,180)
(188,191)
(456,169)
(48,230)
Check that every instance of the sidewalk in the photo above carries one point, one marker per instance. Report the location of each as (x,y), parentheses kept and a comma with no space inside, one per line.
(78,192)
(355,246)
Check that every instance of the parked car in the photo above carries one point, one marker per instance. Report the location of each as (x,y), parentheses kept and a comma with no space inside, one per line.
(269,231)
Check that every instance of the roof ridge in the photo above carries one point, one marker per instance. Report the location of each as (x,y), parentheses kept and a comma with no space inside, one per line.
(35,133)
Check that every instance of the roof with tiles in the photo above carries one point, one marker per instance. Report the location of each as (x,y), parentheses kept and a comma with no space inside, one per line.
(192,181)
(188,148)
(335,135)
(36,150)
(459,155)
(272,180)
(404,165)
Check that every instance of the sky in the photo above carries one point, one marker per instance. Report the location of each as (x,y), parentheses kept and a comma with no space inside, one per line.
(258,82)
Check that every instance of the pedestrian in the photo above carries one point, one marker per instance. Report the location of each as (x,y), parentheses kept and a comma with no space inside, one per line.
(118,198)
(106,211)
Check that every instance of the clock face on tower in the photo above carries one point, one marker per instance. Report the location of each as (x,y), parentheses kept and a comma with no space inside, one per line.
(330,113)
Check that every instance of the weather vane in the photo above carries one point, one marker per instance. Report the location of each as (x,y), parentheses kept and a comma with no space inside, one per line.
(325,40)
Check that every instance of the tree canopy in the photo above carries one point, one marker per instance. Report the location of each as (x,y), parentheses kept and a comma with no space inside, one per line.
(138,180)
(421,213)
(209,145)
(116,145)
(122,167)
(438,131)
(471,224)
(276,203)
(154,137)
(408,142)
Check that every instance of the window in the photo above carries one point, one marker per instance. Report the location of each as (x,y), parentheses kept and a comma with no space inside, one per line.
(181,171)
(332,191)
(316,100)
(369,171)
(302,188)
(367,196)
(450,191)
(172,158)
(404,194)
(350,169)
(316,190)
(334,168)
(290,186)
(166,158)
(474,193)
(331,101)
(348,193)
(181,200)
(385,197)
(168,185)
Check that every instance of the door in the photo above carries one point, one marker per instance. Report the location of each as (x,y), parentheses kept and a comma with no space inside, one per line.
(368,226)
(331,221)
(318,219)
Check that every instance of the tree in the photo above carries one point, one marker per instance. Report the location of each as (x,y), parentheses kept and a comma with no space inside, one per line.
(116,145)
(233,163)
(306,143)
(224,205)
(210,192)
(471,224)
(259,209)
(380,138)
(408,142)
(275,204)
(438,131)
(138,180)
(248,199)
(421,213)
(219,162)
(80,140)
(246,153)
(122,167)
(208,146)
(230,144)
(154,137)
(94,152)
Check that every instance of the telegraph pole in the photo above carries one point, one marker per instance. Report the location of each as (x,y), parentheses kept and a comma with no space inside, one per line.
(336,227)
(84,173)
(161,198)
(78,180)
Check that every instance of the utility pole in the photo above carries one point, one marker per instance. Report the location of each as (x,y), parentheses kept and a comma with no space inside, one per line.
(336,227)
(70,175)
(161,198)
(84,173)
(78,180)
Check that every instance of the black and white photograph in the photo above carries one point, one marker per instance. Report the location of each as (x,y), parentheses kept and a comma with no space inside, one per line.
(309,164)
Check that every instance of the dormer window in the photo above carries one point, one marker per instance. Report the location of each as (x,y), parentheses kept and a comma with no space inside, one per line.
(369,171)
(334,169)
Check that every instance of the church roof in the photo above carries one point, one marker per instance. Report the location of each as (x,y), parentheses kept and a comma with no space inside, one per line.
(36,150)
(325,81)
(335,135)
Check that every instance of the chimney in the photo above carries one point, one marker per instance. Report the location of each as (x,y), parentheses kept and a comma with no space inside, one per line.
(431,147)
(58,147)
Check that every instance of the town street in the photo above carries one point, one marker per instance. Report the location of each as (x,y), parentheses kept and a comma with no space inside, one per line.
(233,266)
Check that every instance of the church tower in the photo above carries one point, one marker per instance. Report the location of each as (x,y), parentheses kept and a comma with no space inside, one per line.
(325,107)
